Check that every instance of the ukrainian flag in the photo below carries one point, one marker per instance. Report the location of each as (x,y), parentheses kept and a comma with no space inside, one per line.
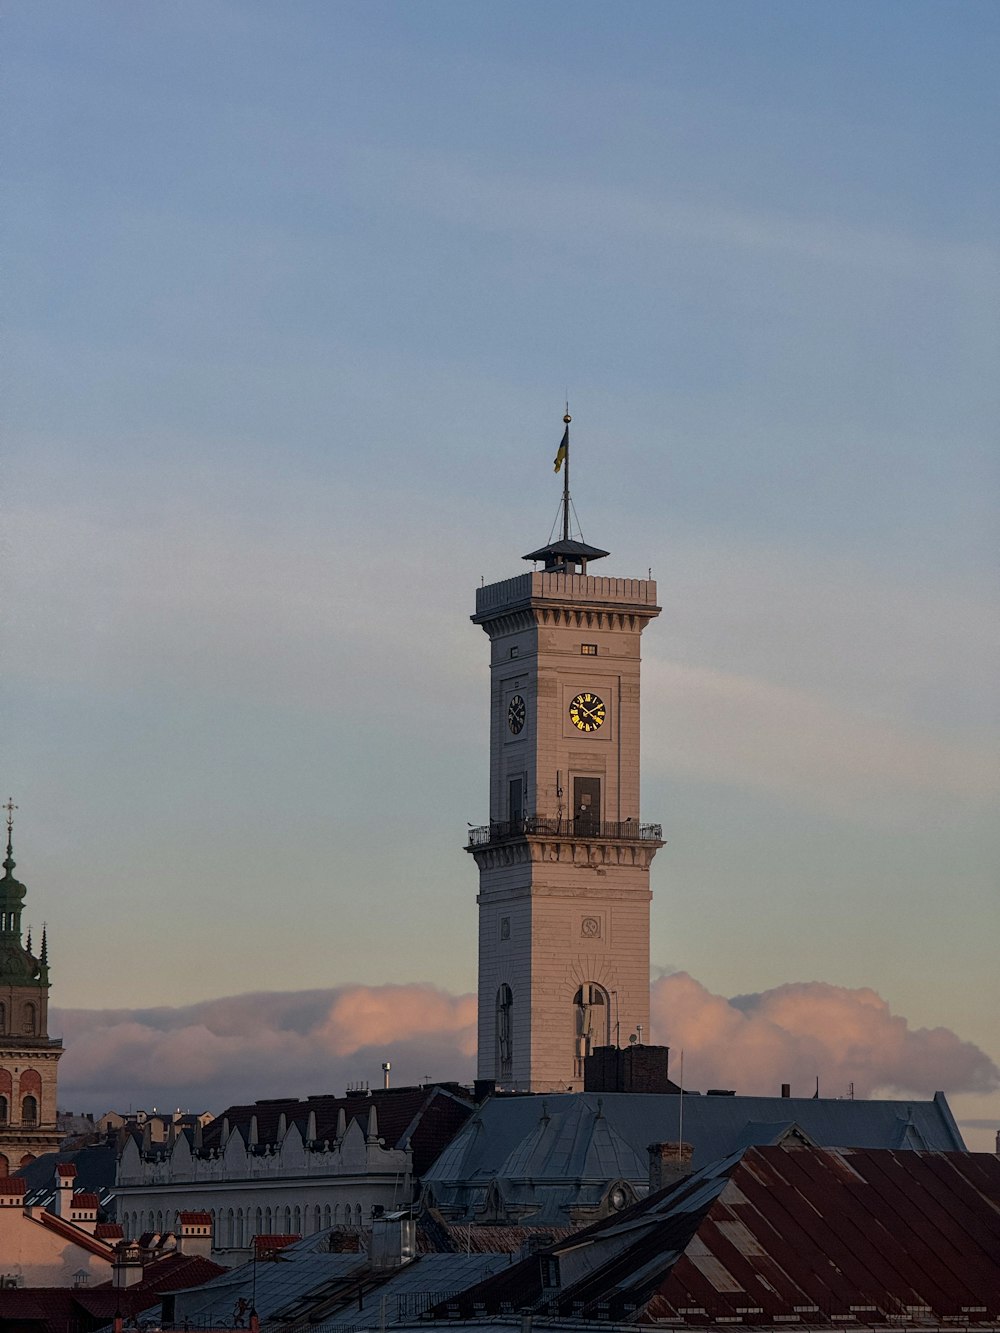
(563,451)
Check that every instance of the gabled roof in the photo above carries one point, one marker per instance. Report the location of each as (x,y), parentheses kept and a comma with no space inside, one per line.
(773,1234)
(174,1272)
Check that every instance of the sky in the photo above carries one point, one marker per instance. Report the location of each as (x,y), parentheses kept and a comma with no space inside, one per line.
(294,296)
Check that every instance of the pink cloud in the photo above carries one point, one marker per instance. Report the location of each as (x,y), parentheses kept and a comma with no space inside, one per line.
(793,1033)
(242,1047)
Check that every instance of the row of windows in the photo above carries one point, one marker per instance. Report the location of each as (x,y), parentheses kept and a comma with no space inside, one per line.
(28,1020)
(235,1228)
(591,1027)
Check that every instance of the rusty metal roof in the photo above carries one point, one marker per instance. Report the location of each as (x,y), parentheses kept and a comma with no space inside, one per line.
(777,1235)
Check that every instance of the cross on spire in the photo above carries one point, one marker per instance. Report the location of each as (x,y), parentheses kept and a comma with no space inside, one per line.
(10,807)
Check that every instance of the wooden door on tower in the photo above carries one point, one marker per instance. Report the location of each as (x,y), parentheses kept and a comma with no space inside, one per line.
(586,804)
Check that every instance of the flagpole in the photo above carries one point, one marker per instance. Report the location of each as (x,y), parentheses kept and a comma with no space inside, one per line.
(567,419)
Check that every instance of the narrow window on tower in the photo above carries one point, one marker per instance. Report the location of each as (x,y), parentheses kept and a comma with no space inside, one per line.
(515,798)
(515,651)
(588,649)
(505,1033)
(592,1016)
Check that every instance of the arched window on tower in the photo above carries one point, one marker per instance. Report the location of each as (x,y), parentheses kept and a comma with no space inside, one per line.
(4,1166)
(29,1019)
(4,1110)
(592,1015)
(29,1110)
(505,1033)
(3,1018)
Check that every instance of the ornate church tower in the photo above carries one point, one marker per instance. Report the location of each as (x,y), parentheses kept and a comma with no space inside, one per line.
(28,1057)
(564,861)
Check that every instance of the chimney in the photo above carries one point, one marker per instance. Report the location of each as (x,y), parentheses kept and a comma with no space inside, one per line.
(394,1241)
(65,1175)
(127,1269)
(195,1234)
(668,1163)
(786,1089)
(83,1211)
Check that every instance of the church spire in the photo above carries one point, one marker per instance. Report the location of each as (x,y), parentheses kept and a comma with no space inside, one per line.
(9,863)
(16,963)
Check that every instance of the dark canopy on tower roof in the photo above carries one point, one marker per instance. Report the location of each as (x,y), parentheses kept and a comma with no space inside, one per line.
(566,551)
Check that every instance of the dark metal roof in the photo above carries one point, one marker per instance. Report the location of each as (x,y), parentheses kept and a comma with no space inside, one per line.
(504,1128)
(95,1173)
(427,1118)
(570,549)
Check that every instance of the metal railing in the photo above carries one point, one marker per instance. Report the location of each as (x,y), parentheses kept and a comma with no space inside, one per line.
(623,830)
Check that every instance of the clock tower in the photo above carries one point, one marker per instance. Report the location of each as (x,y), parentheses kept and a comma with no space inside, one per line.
(564,860)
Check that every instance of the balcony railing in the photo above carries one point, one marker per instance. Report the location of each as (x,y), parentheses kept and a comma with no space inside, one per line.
(623,830)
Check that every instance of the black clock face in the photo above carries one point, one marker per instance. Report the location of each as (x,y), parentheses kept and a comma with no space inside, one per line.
(587,712)
(516,713)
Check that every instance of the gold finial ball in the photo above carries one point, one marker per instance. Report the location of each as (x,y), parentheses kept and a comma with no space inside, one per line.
(567,418)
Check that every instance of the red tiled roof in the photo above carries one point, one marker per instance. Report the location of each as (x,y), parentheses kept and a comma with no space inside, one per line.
(65,1169)
(85,1200)
(109,1231)
(195,1219)
(270,1244)
(171,1273)
(13,1185)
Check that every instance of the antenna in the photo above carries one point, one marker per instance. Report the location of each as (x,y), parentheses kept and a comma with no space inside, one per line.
(567,419)
(680,1111)
(386,1066)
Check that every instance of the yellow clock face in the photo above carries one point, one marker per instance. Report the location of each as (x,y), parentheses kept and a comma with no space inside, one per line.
(587,712)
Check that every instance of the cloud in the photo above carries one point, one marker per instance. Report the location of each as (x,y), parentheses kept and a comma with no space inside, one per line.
(242,1047)
(793,1033)
(806,747)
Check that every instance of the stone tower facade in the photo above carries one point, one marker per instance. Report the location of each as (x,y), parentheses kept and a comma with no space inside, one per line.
(28,1057)
(564,861)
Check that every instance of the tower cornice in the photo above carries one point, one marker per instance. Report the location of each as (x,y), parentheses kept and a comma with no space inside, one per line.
(561,594)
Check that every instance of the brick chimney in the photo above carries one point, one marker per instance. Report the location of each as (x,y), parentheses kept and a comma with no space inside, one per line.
(668,1163)
(195,1234)
(65,1176)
